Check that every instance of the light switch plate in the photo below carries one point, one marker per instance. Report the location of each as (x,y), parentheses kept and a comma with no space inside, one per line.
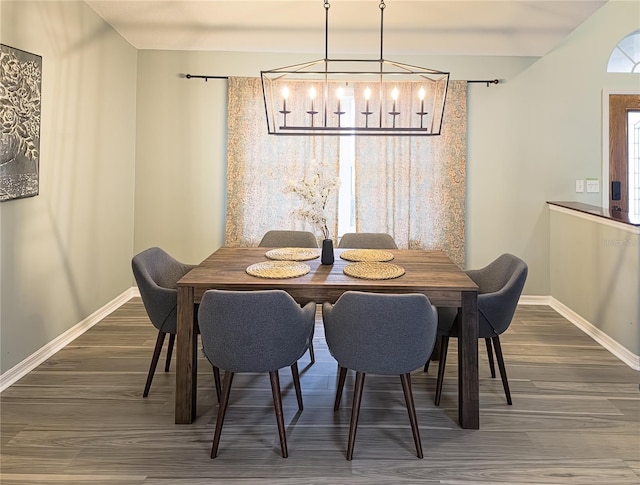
(593,185)
(579,185)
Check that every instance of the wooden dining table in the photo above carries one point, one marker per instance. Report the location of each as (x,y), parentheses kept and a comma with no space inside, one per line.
(431,273)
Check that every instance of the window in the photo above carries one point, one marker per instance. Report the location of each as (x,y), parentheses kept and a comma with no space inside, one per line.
(347,197)
(626,55)
(633,136)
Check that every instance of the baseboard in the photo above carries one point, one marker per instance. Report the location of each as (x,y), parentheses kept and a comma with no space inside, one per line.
(625,355)
(535,300)
(622,353)
(37,358)
(34,360)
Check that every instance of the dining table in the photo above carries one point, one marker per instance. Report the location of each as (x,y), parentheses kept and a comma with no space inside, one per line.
(428,272)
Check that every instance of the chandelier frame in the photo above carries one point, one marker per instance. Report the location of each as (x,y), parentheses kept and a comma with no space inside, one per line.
(384,114)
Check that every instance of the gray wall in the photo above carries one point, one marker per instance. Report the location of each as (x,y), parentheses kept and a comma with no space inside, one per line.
(181,138)
(529,139)
(595,271)
(66,253)
(119,174)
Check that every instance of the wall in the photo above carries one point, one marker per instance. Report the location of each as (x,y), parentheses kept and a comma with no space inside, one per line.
(180,156)
(595,271)
(529,138)
(67,252)
(546,134)
(181,143)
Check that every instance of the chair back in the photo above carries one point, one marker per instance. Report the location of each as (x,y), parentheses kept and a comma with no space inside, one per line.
(500,285)
(254,331)
(380,333)
(156,274)
(289,239)
(367,240)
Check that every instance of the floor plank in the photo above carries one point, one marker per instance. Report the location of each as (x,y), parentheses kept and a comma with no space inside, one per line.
(80,419)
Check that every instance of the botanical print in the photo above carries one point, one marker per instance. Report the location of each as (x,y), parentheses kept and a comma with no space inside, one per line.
(20,80)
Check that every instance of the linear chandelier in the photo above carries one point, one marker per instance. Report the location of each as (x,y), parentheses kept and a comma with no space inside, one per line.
(354,96)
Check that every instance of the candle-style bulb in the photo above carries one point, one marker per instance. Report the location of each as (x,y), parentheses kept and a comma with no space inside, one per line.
(339,92)
(421,94)
(394,94)
(312,92)
(367,93)
(285,92)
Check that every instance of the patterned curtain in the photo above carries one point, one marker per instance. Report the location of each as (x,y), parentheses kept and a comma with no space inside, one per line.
(410,187)
(414,187)
(259,166)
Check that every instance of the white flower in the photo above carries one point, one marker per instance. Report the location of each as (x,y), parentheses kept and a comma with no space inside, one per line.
(314,192)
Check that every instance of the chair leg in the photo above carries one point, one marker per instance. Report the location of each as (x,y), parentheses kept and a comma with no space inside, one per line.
(154,362)
(277,406)
(216,380)
(355,413)
(296,384)
(342,375)
(312,354)
(172,339)
(222,409)
(435,353)
(443,361)
(490,357)
(503,371)
(411,409)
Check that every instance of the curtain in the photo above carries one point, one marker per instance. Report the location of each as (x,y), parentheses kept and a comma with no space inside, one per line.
(259,166)
(410,187)
(414,187)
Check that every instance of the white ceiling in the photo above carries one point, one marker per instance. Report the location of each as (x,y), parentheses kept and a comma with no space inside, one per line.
(430,27)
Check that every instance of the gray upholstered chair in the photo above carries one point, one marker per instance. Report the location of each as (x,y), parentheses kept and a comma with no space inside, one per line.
(255,331)
(500,285)
(288,239)
(379,334)
(291,239)
(156,274)
(367,240)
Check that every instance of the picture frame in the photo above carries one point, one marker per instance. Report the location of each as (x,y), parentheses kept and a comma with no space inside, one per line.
(20,118)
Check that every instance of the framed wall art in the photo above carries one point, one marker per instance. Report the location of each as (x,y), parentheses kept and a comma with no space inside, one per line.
(20,83)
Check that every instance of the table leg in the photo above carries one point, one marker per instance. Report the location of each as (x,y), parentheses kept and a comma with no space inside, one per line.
(186,358)
(468,385)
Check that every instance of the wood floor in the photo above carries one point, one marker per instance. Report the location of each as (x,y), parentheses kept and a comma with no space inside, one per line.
(80,418)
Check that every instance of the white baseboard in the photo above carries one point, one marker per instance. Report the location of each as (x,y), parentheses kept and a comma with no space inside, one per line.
(535,300)
(622,353)
(34,360)
(37,358)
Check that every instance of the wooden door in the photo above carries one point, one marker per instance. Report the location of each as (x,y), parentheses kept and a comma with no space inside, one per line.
(619,107)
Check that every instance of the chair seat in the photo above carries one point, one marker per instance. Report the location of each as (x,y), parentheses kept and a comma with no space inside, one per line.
(500,285)
(379,334)
(367,240)
(255,331)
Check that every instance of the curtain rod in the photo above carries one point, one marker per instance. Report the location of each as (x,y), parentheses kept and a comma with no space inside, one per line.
(206,78)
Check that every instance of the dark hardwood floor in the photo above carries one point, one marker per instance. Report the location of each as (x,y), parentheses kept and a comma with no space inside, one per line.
(80,418)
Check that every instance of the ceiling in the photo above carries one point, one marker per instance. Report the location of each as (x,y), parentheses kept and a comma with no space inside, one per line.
(427,27)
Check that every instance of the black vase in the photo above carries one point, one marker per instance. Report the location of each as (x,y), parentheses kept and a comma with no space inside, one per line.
(327,251)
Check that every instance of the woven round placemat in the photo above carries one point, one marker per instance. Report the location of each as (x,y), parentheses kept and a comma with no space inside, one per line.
(373,270)
(366,255)
(292,254)
(278,269)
